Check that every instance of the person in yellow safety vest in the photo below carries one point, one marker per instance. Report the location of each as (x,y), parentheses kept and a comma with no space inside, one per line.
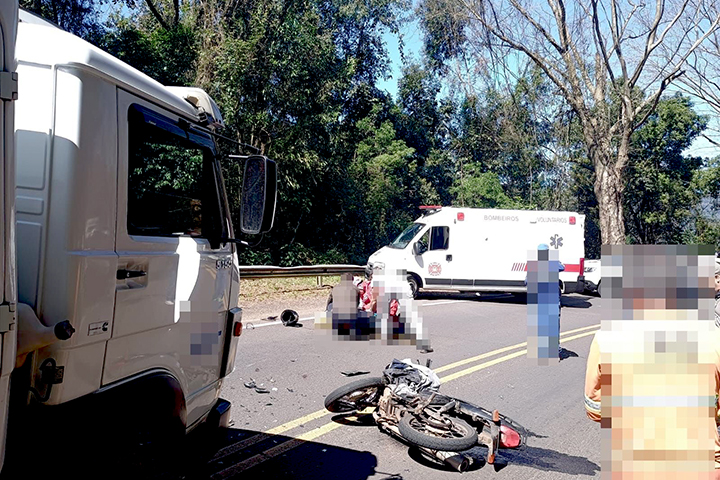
(655,411)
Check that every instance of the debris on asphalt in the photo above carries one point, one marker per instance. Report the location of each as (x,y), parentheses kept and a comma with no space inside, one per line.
(274,389)
(290,389)
(250,384)
(250,326)
(261,390)
(289,318)
(352,373)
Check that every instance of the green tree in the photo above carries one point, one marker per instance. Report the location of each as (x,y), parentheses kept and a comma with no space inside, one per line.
(79,17)
(660,196)
(584,49)
(481,190)
(383,169)
(706,212)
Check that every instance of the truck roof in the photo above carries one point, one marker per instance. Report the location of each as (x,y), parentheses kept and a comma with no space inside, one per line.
(42,42)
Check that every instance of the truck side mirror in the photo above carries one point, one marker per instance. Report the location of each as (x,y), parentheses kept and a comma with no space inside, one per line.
(259,195)
(416,249)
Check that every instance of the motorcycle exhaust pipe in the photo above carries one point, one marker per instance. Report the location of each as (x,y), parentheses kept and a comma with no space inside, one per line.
(457,461)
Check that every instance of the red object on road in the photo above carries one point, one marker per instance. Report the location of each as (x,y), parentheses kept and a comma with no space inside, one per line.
(509,438)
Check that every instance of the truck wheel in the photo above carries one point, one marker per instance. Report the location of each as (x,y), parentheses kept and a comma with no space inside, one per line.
(414,285)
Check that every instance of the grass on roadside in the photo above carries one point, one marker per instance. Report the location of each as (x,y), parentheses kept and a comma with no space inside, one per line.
(257,290)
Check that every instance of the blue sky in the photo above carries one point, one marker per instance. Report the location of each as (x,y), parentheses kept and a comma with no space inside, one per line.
(413,45)
(412,39)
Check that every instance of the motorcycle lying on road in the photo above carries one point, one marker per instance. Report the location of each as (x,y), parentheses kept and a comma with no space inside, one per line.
(438,425)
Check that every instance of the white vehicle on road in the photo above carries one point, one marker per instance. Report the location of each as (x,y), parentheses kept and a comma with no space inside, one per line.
(484,250)
(592,276)
(127,279)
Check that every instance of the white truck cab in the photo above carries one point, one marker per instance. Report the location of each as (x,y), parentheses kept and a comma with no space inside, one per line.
(127,278)
(483,250)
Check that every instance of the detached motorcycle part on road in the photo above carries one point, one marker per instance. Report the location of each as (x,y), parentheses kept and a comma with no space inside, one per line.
(408,406)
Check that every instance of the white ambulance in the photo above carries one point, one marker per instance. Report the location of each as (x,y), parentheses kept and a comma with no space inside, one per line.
(483,250)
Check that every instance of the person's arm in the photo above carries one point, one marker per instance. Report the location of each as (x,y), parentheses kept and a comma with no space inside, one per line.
(394,307)
(592,382)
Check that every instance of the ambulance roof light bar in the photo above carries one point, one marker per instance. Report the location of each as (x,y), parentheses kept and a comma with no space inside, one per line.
(430,209)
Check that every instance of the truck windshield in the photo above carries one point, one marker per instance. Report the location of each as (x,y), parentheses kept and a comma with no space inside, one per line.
(408,234)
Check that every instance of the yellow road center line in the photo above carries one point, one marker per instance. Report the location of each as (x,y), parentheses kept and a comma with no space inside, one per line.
(321,413)
(276,450)
(567,339)
(500,350)
(474,369)
(495,361)
(316,432)
(328,427)
(241,445)
(297,422)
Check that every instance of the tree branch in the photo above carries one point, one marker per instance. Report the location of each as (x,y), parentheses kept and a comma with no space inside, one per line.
(156,14)
(601,41)
(650,43)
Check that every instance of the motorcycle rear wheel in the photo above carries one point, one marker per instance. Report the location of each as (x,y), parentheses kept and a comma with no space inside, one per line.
(356,395)
(457,437)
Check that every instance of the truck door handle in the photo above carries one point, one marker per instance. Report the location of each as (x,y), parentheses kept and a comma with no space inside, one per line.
(448,258)
(123,274)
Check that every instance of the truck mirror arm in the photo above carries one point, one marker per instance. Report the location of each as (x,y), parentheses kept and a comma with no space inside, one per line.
(236,241)
(223,137)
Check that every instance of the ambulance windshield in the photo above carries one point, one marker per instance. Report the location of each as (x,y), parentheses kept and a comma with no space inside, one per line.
(408,234)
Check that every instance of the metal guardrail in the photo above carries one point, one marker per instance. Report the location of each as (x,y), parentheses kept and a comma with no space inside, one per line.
(270,271)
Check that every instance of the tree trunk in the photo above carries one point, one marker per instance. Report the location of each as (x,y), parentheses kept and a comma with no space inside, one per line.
(608,189)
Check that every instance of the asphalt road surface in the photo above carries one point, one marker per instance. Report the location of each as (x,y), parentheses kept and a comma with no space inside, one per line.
(480,355)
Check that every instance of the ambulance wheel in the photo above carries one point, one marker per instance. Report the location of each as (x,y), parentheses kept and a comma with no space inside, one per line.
(414,285)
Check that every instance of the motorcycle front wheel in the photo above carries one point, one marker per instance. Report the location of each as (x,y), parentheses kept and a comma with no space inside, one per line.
(451,435)
(355,395)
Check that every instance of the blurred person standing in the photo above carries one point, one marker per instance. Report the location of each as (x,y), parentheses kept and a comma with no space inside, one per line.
(653,372)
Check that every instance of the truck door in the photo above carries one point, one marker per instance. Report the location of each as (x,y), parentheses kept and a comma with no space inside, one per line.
(437,260)
(173,283)
(8,93)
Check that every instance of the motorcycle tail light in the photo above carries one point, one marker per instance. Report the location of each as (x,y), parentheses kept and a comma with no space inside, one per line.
(509,438)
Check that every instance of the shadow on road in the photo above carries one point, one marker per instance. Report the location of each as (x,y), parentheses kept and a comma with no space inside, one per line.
(235,453)
(569,300)
(223,454)
(533,457)
(550,460)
